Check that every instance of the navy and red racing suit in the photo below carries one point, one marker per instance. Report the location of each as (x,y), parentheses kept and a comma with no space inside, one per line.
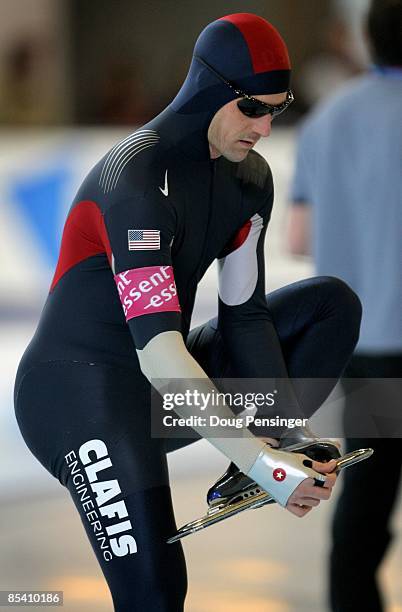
(146,224)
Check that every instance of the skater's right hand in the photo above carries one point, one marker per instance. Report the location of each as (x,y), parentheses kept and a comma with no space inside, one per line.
(307,495)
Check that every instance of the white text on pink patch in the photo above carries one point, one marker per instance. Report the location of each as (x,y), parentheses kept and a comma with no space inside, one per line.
(147,290)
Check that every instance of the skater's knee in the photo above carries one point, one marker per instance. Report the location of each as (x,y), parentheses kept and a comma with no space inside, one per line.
(345,300)
(342,292)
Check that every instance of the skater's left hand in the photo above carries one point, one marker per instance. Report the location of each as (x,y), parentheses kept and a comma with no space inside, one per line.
(307,495)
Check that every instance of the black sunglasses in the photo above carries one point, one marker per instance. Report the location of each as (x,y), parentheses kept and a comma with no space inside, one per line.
(249,106)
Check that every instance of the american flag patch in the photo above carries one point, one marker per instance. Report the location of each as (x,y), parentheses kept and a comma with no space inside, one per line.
(141,240)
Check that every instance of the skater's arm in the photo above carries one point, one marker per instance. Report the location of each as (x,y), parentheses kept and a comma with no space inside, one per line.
(141,231)
(244,320)
(165,361)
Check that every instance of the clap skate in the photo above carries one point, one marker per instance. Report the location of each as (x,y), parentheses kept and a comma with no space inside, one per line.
(235,492)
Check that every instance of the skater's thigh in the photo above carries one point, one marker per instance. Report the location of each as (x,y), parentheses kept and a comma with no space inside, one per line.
(90,427)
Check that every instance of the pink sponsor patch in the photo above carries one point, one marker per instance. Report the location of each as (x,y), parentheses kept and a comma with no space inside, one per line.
(147,290)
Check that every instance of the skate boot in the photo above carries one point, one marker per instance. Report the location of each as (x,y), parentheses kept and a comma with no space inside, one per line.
(235,492)
(234,486)
(303,440)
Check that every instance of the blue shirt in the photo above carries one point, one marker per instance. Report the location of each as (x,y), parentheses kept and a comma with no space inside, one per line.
(349,167)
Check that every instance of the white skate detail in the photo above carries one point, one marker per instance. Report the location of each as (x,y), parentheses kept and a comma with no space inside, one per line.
(280,473)
(253,497)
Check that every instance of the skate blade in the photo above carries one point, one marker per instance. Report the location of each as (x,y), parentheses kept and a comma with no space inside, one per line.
(258,500)
(215,515)
(353,458)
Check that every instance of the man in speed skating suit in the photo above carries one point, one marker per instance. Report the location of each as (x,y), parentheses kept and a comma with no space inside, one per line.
(148,220)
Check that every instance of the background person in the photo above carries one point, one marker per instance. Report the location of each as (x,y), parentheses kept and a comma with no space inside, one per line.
(347,208)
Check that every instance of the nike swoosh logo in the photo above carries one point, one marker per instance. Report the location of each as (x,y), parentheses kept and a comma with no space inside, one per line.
(165,189)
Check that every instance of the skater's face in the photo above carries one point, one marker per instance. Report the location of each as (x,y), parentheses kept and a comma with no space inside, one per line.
(232,134)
